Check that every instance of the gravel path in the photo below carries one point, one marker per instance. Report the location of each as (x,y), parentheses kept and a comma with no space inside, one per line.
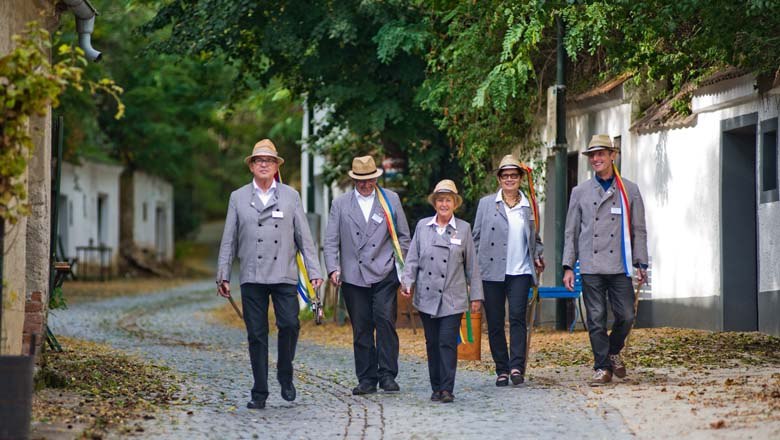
(170,328)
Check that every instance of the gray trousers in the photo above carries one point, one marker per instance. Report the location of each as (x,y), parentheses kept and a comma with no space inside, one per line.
(596,291)
(254,299)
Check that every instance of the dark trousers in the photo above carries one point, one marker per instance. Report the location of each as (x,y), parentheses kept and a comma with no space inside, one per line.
(514,288)
(596,289)
(374,309)
(254,299)
(441,344)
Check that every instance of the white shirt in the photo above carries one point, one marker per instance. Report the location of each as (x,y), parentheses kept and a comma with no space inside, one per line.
(440,229)
(518,262)
(365,203)
(264,196)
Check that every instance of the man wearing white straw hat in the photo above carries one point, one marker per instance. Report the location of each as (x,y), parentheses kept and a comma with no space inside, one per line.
(605,230)
(366,241)
(265,227)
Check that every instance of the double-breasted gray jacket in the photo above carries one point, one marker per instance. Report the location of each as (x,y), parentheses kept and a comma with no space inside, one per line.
(593,228)
(363,251)
(444,269)
(266,238)
(491,236)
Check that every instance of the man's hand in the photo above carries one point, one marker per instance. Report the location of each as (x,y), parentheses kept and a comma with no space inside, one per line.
(335,278)
(475,306)
(223,289)
(316,283)
(539,264)
(641,275)
(568,280)
(406,291)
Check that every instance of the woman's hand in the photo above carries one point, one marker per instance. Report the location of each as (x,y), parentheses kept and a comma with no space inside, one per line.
(406,291)
(539,264)
(476,306)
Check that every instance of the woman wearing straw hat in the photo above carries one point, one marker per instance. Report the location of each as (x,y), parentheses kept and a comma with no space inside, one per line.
(442,264)
(510,255)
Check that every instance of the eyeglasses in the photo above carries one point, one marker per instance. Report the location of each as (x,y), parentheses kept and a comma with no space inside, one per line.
(507,176)
(263,160)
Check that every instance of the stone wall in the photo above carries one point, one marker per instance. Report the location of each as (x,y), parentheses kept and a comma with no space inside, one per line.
(26,244)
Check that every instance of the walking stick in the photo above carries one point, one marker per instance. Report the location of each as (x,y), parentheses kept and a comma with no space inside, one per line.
(235,307)
(534,300)
(636,311)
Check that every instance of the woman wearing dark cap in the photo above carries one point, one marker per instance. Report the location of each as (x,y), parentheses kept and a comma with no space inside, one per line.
(509,252)
(441,264)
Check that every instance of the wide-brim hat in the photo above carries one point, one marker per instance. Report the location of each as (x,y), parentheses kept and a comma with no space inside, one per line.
(264,148)
(446,186)
(364,168)
(509,162)
(600,142)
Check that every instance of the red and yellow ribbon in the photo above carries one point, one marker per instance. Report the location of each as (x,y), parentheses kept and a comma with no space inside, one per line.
(625,236)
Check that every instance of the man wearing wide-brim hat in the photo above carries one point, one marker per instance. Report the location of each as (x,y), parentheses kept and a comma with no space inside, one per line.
(265,227)
(366,238)
(606,232)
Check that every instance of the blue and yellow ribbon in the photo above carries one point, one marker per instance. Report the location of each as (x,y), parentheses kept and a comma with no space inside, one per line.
(304,287)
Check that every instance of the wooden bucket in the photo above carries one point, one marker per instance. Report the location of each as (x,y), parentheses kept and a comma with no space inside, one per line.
(471,351)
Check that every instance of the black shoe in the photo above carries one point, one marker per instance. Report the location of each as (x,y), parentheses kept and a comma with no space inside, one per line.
(389,384)
(502,380)
(436,396)
(256,404)
(447,397)
(517,377)
(288,392)
(363,388)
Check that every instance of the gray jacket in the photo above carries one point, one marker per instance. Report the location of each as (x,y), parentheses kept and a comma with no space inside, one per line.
(363,252)
(593,226)
(443,267)
(266,238)
(491,235)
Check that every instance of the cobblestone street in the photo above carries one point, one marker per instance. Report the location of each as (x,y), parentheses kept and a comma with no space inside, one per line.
(170,328)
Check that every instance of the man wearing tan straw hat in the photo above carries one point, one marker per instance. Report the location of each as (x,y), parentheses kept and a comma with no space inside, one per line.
(265,227)
(442,267)
(510,250)
(605,231)
(366,238)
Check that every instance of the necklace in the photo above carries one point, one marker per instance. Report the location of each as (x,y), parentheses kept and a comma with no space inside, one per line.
(512,204)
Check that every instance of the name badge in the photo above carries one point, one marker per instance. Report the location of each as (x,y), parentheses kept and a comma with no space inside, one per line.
(376,218)
(277,214)
(455,241)
(617,211)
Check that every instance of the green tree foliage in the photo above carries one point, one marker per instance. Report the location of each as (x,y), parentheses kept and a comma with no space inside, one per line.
(182,122)
(363,60)
(461,79)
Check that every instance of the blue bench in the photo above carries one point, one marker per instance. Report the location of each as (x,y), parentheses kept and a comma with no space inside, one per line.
(560,292)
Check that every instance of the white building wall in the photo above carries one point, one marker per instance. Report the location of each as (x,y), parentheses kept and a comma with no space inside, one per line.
(153,203)
(679,174)
(82,186)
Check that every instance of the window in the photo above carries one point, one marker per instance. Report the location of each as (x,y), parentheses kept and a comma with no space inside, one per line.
(143,210)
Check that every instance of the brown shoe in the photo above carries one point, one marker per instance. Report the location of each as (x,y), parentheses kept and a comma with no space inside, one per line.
(601,377)
(618,367)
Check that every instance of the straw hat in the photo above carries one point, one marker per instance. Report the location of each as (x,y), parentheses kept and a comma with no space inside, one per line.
(264,148)
(364,168)
(446,186)
(508,162)
(600,142)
